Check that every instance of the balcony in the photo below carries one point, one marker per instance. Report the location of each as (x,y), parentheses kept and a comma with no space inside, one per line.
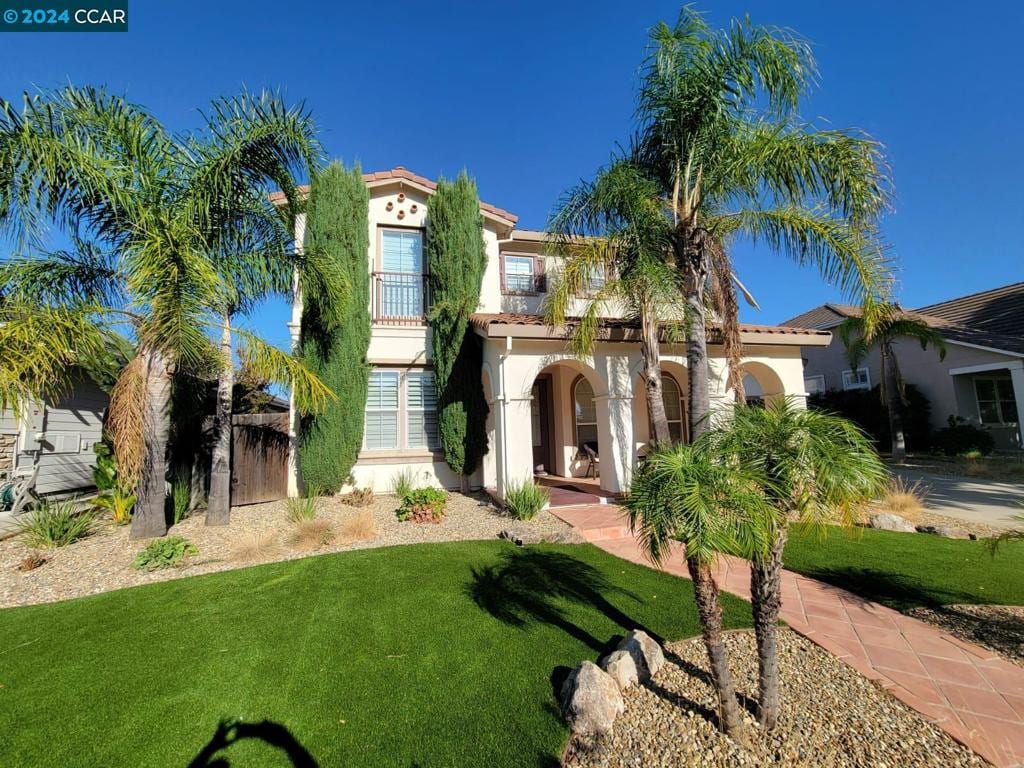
(400,298)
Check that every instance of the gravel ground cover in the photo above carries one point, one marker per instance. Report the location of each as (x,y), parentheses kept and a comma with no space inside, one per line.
(997,627)
(103,561)
(831,717)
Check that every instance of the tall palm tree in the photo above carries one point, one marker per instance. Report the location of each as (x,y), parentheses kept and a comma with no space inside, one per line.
(891,323)
(144,209)
(614,227)
(721,137)
(687,493)
(810,466)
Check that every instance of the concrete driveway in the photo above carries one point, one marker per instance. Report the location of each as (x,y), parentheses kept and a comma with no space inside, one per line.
(992,502)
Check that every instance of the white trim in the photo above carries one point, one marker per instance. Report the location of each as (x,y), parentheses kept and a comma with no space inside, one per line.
(986,349)
(985,367)
(857,385)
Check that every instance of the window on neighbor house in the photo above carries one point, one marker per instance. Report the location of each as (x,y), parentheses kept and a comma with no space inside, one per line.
(421,410)
(520,274)
(585,411)
(814,385)
(675,412)
(596,279)
(859,379)
(400,282)
(401,411)
(996,403)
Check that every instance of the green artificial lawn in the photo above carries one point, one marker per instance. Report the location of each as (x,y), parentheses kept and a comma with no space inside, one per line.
(426,655)
(907,570)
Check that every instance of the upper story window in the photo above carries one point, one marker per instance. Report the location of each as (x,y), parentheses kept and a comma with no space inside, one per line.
(996,403)
(400,282)
(859,379)
(521,274)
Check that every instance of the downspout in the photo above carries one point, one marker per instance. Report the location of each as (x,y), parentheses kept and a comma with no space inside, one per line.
(503,394)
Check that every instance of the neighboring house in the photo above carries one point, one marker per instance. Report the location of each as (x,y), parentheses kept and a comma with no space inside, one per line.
(58,436)
(981,378)
(545,404)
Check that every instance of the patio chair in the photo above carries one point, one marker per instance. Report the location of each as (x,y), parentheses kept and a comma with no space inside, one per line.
(589,452)
(16,493)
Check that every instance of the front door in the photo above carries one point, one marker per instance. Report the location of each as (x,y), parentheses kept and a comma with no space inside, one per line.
(540,418)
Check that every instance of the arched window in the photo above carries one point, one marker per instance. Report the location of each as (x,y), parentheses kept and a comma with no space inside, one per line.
(673,399)
(585,412)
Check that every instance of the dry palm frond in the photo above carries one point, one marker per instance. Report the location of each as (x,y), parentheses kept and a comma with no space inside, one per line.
(359,527)
(124,419)
(725,305)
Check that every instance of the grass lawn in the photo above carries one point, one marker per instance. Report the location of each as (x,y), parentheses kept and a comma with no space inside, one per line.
(429,655)
(906,570)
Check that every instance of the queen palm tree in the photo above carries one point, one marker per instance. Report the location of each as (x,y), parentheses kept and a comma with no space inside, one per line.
(810,466)
(859,337)
(145,211)
(686,493)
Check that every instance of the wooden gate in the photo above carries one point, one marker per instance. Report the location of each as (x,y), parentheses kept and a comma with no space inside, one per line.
(259,457)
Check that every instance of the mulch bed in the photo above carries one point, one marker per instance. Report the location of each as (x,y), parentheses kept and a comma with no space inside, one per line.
(831,717)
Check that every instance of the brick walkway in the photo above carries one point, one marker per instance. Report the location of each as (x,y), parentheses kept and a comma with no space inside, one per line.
(966,690)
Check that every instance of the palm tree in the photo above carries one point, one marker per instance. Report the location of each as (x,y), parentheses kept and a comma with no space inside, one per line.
(687,493)
(810,466)
(859,337)
(721,138)
(144,211)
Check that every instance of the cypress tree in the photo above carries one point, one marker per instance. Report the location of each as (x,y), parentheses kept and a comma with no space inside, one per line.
(457,258)
(337,224)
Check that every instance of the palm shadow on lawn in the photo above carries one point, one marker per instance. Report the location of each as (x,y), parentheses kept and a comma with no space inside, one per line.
(231,731)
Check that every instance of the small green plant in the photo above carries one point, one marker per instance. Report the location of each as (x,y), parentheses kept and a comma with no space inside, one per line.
(423,505)
(118,502)
(165,553)
(116,493)
(303,507)
(403,483)
(525,499)
(181,498)
(56,524)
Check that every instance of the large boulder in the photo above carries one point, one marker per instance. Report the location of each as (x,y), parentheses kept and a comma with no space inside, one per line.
(622,668)
(646,653)
(945,531)
(591,700)
(886,521)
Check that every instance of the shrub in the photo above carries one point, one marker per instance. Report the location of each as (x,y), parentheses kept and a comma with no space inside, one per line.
(525,499)
(304,507)
(359,527)
(903,499)
(255,546)
(403,483)
(311,534)
(961,438)
(169,552)
(423,505)
(358,497)
(865,409)
(56,524)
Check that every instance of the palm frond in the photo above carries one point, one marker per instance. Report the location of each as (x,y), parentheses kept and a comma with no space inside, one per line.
(272,364)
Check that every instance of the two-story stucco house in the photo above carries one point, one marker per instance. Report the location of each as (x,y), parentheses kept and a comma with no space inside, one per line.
(545,404)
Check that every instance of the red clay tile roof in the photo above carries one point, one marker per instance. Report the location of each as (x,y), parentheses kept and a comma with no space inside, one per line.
(482,320)
(400,172)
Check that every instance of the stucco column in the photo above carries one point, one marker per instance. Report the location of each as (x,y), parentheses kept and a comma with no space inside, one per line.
(1017,377)
(615,440)
(518,442)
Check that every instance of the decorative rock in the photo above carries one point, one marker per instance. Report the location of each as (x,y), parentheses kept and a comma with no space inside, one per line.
(945,531)
(889,522)
(591,700)
(622,668)
(646,653)
(520,537)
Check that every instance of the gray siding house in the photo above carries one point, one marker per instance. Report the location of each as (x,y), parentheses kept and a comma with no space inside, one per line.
(980,380)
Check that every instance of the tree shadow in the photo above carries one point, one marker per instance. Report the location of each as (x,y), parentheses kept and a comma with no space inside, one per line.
(531,586)
(892,589)
(231,731)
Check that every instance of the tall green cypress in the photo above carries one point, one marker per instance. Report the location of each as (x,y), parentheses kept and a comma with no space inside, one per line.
(337,224)
(457,258)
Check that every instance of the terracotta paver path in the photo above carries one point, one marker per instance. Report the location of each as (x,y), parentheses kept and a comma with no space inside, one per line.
(968,691)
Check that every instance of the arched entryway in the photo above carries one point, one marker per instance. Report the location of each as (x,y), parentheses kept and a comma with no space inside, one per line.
(674,396)
(761,383)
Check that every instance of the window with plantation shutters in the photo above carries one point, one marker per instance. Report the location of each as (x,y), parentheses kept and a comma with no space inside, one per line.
(421,410)
(381,427)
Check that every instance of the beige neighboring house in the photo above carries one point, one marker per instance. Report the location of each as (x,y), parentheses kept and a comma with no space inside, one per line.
(981,378)
(545,404)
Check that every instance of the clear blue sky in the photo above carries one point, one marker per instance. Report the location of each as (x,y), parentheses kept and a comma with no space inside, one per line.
(531,96)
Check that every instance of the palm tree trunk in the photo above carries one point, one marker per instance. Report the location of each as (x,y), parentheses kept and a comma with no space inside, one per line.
(765,602)
(893,402)
(150,518)
(695,265)
(709,608)
(649,350)
(218,509)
